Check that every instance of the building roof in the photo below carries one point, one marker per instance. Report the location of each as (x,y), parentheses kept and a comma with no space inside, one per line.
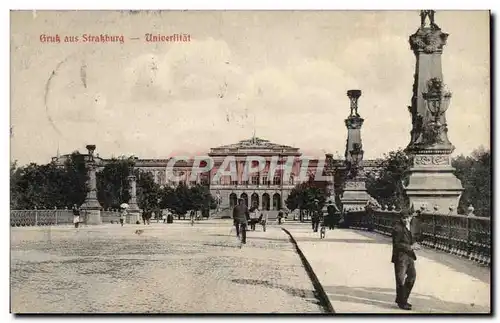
(253,144)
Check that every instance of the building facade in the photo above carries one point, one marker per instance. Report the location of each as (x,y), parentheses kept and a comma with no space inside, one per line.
(279,169)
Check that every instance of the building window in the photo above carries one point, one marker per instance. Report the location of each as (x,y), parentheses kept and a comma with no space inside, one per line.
(264,180)
(291,180)
(255,180)
(234,183)
(276,180)
(244,183)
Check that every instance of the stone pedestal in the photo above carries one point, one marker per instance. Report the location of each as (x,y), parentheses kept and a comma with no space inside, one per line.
(432,183)
(91,206)
(133,210)
(355,196)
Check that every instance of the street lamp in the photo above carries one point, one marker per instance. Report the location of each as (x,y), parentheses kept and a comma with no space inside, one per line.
(437,102)
(356,157)
(91,149)
(437,99)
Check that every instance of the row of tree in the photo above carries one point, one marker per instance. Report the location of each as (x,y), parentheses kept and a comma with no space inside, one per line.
(53,185)
(307,196)
(386,185)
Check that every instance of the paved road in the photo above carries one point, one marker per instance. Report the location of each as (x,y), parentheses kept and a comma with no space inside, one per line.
(168,269)
(358,276)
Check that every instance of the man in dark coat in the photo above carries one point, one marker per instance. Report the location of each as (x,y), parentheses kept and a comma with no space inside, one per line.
(403,257)
(240,218)
(317,216)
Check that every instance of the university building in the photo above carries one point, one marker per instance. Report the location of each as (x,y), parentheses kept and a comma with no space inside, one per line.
(266,189)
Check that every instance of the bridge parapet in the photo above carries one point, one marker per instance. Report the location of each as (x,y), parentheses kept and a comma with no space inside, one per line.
(465,236)
(26,218)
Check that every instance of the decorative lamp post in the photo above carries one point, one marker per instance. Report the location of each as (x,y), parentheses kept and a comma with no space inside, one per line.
(355,196)
(133,209)
(356,157)
(91,206)
(431,178)
(437,101)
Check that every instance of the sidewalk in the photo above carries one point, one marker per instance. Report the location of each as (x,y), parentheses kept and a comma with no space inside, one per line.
(357,275)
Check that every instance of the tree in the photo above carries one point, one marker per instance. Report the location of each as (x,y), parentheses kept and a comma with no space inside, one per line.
(304,195)
(76,173)
(475,174)
(386,186)
(148,192)
(201,198)
(112,182)
(49,185)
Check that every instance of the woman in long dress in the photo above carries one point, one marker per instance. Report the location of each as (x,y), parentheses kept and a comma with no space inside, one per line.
(123,215)
(76,215)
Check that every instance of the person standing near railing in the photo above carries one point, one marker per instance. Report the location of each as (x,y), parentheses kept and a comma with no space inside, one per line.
(403,258)
(76,215)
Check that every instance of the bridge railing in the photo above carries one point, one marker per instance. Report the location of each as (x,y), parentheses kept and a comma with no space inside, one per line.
(464,236)
(108,216)
(25,218)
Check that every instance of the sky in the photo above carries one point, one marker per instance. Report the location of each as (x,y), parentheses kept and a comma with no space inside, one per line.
(282,74)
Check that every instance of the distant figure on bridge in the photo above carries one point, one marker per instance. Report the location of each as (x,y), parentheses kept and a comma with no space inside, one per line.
(123,215)
(263,219)
(403,257)
(76,215)
(316,216)
(280,217)
(146,215)
(254,217)
(240,219)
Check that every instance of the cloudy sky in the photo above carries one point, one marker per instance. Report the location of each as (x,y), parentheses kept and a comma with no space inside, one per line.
(284,74)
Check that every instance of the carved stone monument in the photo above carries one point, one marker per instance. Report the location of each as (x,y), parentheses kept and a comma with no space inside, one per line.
(133,209)
(355,196)
(432,182)
(91,206)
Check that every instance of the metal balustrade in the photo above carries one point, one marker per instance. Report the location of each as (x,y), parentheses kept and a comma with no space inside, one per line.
(108,216)
(464,236)
(25,218)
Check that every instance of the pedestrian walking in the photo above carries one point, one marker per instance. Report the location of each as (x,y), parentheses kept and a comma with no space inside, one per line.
(403,258)
(254,217)
(263,220)
(240,220)
(76,215)
(280,217)
(316,216)
(123,216)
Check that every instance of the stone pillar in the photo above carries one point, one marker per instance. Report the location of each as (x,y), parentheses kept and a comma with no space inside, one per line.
(355,196)
(331,183)
(431,180)
(133,210)
(91,206)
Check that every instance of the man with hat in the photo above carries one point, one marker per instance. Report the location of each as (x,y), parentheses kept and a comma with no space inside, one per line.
(240,219)
(403,257)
